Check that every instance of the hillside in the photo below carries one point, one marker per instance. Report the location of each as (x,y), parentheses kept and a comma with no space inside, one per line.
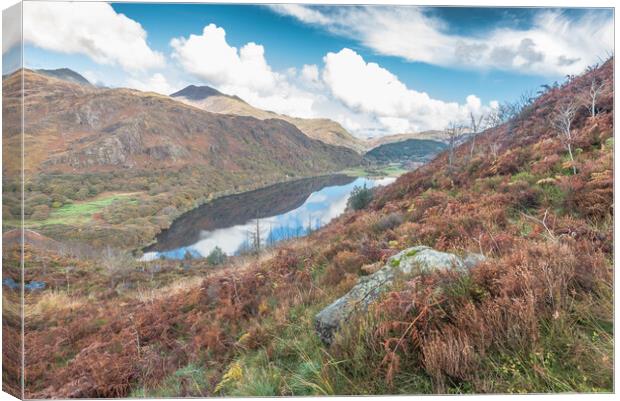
(439,136)
(87,148)
(322,129)
(415,150)
(65,74)
(535,315)
(91,129)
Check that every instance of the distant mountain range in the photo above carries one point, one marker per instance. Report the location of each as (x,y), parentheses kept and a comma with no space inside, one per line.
(415,150)
(213,101)
(79,127)
(325,130)
(434,135)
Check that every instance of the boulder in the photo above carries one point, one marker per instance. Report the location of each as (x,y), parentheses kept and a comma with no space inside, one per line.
(415,260)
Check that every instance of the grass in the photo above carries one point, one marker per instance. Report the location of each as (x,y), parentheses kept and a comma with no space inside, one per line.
(80,213)
(189,381)
(291,363)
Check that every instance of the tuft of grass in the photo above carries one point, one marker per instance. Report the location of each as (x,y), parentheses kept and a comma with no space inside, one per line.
(51,302)
(189,381)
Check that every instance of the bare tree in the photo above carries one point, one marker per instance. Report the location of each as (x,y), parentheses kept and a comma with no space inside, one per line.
(117,265)
(256,236)
(561,120)
(596,88)
(476,126)
(454,133)
(493,118)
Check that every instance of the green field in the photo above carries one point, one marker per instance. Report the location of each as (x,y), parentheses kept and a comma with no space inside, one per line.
(80,213)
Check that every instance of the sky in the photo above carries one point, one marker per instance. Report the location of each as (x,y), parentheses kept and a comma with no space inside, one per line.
(377,70)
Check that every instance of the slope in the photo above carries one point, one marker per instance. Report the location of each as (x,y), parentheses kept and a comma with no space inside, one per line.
(323,129)
(536,316)
(82,142)
(416,150)
(429,135)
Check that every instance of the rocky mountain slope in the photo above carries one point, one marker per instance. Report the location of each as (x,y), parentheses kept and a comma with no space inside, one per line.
(72,127)
(322,129)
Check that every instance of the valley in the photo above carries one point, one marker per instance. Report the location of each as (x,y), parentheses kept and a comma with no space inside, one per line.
(128,194)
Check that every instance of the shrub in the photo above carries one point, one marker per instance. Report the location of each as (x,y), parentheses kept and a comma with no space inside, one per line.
(388,222)
(40,212)
(216,257)
(360,197)
(348,261)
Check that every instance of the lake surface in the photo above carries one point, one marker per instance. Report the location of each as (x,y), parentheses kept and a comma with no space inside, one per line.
(278,212)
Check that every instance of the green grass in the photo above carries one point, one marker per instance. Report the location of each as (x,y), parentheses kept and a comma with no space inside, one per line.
(189,381)
(80,213)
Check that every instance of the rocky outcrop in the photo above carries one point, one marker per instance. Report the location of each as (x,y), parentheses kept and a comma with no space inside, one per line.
(415,260)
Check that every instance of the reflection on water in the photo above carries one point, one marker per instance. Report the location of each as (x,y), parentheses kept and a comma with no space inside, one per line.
(268,215)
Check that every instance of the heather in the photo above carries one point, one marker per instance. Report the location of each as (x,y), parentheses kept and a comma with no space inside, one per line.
(535,316)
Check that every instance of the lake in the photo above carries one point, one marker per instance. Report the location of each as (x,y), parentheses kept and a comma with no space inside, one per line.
(277,212)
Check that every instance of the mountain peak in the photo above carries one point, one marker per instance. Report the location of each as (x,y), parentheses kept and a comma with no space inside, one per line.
(65,74)
(193,92)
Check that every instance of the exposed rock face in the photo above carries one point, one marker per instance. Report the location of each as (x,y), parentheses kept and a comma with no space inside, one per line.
(415,260)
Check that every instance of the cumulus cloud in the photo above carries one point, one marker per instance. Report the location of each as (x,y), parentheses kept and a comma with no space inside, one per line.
(154,83)
(91,29)
(554,44)
(369,88)
(365,98)
(210,57)
(243,72)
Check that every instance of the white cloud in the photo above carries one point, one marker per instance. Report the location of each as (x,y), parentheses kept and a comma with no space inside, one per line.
(365,98)
(154,83)
(243,72)
(210,57)
(554,44)
(11,27)
(310,74)
(92,29)
(370,88)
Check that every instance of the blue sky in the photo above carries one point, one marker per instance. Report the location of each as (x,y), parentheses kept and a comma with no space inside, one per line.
(376,70)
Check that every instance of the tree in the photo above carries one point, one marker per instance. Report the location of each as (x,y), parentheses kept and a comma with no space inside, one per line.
(454,133)
(561,120)
(476,126)
(256,237)
(596,88)
(216,257)
(360,197)
(117,265)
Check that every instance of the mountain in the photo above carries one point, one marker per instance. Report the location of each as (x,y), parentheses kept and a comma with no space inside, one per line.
(72,127)
(193,92)
(381,140)
(65,74)
(416,150)
(325,130)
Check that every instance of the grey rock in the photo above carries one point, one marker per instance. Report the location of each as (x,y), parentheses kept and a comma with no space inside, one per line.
(472,259)
(411,261)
